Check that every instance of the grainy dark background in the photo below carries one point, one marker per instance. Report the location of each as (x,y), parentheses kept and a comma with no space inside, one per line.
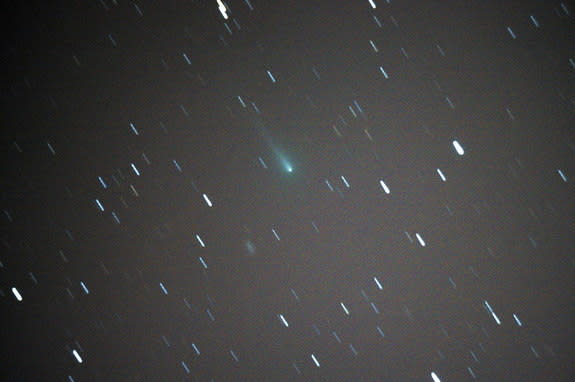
(132,290)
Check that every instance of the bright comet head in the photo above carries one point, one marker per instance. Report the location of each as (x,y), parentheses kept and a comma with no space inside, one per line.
(285,164)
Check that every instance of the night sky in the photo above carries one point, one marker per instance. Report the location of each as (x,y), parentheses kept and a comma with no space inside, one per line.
(258,190)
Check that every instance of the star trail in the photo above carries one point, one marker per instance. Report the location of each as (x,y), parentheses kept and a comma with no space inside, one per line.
(249,190)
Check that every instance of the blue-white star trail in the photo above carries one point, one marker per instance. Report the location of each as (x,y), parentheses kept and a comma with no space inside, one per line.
(261,191)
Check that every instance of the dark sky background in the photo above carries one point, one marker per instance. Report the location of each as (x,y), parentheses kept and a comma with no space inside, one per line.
(172,211)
